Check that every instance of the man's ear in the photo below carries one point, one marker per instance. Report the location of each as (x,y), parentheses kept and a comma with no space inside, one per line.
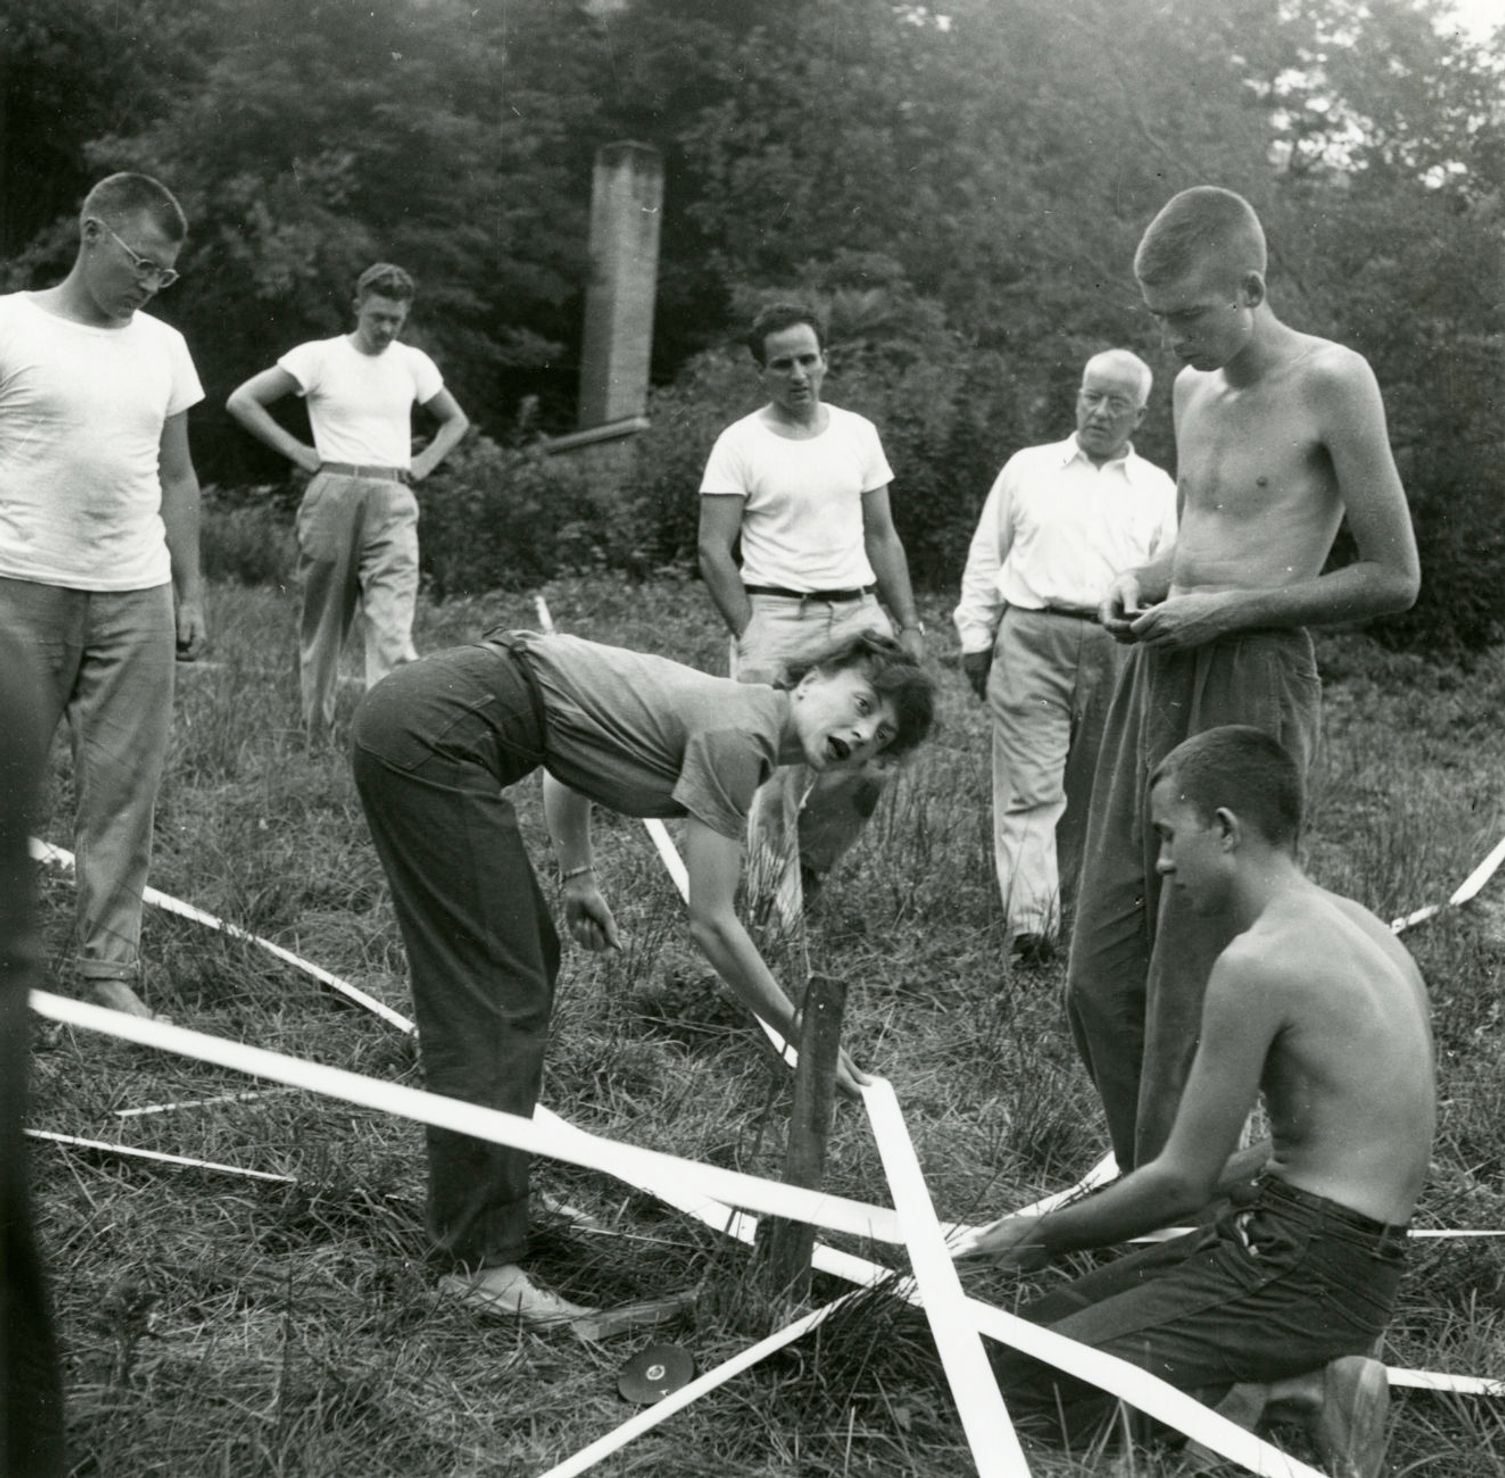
(1230,829)
(1252,286)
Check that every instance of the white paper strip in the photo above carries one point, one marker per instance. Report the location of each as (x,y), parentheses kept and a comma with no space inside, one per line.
(250,1096)
(625,1161)
(985,1419)
(46,852)
(1468,889)
(1141,1390)
(661,1411)
(1440,1380)
(138,1154)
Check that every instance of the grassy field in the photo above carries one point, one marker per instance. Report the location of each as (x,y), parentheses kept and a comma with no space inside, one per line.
(215,1325)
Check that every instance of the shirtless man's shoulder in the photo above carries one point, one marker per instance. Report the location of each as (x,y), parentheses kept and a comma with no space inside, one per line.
(1347,1075)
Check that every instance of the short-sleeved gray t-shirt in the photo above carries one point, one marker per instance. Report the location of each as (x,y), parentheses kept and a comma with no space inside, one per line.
(649,737)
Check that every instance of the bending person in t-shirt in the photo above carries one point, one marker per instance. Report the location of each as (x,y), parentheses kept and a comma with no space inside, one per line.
(358,522)
(433,748)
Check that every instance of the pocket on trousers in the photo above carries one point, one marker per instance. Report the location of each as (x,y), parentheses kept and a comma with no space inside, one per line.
(318,520)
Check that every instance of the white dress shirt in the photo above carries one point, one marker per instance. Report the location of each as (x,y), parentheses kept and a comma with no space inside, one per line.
(1056,529)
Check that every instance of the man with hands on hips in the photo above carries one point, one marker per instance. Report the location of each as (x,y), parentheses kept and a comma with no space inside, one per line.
(358,522)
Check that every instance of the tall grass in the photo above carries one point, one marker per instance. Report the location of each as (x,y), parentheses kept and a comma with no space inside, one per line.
(220,1326)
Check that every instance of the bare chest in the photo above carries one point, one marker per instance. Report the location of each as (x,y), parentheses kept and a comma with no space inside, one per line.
(1254,456)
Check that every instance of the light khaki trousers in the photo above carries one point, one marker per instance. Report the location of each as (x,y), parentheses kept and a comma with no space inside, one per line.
(1048,691)
(357,550)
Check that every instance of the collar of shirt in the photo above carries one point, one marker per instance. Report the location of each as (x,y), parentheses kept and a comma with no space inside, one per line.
(1128,464)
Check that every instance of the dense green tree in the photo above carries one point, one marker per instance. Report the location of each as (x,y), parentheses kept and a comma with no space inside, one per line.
(961,186)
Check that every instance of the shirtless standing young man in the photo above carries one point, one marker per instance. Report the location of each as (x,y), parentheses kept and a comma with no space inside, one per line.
(1316,1006)
(1279,436)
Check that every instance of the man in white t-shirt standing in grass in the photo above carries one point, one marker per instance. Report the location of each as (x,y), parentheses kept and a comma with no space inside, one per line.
(804,486)
(99,541)
(358,522)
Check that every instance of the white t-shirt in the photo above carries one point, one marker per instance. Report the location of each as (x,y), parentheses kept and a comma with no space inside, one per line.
(802,522)
(361,405)
(1056,529)
(81,417)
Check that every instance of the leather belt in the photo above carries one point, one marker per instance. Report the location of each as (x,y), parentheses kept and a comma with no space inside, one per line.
(1077,613)
(374,474)
(857,593)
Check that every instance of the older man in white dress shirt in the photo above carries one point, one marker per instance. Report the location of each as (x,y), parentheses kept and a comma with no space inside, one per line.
(1059,522)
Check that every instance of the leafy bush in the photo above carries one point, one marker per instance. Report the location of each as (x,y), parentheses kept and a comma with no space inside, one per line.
(247,536)
(497,518)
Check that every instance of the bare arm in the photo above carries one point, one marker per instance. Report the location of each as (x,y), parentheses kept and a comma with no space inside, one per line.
(714,863)
(1387,573)
(567,814)
(885,552)
(180,520)
(248,403)
(720,523)
(453,424)
(1239,1023)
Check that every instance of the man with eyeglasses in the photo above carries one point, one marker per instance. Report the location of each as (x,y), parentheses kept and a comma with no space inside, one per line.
(1280,438)
(358,522)
(99,540)
(1059,522)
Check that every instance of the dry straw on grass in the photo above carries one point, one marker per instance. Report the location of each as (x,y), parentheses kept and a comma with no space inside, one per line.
(214,1327)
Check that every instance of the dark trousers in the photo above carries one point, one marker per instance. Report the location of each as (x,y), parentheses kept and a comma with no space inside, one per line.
(1140,956)
(1274,1291)
(432,746)
(31,1394)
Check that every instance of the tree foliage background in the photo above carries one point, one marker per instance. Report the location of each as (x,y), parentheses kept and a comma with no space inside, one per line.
(960,187)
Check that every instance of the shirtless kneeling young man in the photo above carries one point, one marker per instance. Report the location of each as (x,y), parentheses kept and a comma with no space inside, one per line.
(1315,1006)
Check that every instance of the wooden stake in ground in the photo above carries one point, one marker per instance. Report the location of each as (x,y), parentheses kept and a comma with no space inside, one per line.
(786,1250)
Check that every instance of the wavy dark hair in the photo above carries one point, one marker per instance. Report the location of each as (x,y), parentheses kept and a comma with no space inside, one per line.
(773,318)
(894,674)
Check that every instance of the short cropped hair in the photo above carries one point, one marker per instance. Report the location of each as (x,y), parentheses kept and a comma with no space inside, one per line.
(118,196)
(774,317)
(1244,770)
(387,280)
(1197,224)
(894,674)
(1125,361)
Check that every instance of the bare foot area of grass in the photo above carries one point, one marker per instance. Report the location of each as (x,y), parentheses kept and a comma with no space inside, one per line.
(218,1325)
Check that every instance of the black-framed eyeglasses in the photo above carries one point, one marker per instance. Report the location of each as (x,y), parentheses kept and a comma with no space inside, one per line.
(146,270)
